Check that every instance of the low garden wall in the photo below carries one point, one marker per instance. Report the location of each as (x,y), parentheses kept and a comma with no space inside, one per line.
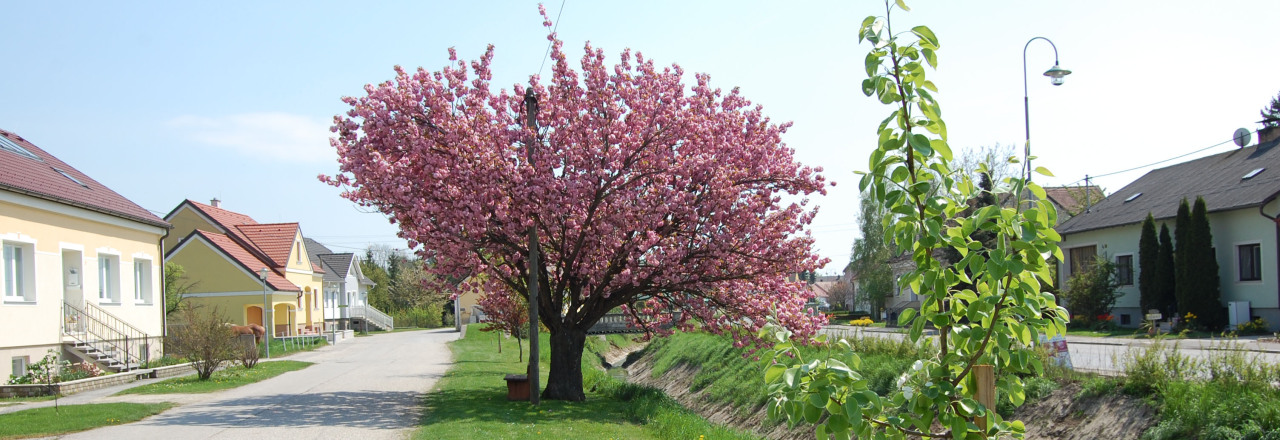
(93,383)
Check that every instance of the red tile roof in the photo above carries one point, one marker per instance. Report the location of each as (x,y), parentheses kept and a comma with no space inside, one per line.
(43,177)
(275,240)
(246,259)
(224,218)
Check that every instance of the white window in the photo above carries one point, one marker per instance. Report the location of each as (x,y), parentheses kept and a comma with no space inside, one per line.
(20,365)
(141,281)
(19,272)
(108,279)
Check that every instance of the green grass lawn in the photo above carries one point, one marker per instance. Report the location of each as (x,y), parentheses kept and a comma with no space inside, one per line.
(229,377)
(280,349)
(48,421)
(470,402)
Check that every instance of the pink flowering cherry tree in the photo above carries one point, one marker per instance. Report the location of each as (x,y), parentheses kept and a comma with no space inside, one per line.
(651,196)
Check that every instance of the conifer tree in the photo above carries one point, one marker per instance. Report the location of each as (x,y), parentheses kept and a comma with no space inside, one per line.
(1181,225)
(1271,113)
(1148,249)
(1166,302)
(1202,266)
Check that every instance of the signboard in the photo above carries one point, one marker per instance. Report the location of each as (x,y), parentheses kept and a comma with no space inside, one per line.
(1057,347)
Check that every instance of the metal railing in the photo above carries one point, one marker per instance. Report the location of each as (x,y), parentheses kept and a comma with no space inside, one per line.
(614,323)
(111,340)
(373,315)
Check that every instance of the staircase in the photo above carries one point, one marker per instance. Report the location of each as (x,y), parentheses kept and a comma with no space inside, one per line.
(103,338)
(373,316)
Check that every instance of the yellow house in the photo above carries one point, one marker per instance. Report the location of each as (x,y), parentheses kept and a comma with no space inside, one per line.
(239,265)
(80,271)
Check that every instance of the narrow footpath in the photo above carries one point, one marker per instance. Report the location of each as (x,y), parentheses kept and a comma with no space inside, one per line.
(365,388)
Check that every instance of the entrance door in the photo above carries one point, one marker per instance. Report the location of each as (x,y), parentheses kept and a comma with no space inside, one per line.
(73,278)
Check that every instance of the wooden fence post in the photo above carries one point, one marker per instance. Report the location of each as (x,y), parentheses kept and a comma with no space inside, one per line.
(985,391)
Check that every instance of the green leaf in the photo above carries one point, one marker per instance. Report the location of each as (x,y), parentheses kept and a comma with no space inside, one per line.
(902,4)
(930,57)
(773,372)
(812,413)
(905,317)
(1044,171)
(789,377)
(871,62)
(921,143)
(927,35)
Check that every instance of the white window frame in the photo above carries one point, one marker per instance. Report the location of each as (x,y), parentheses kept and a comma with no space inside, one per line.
(142,288)
(18,275)
(20,364)
(108,278)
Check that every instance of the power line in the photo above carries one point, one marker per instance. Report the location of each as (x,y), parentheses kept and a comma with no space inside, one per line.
(553,31)
(1158,162)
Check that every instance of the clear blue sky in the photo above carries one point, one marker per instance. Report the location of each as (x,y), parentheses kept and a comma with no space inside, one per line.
(163,101)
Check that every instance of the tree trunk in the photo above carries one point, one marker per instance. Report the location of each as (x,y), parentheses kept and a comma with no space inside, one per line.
(564,381)
(521,347)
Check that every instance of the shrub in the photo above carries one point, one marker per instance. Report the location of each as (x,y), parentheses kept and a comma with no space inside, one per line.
(205,340)
(1091,293)
(43,371)
(82,370)
(250,352)
(428,316)
(861,322)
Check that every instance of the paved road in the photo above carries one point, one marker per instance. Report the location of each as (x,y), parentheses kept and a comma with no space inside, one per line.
(365,388)
(1100,354)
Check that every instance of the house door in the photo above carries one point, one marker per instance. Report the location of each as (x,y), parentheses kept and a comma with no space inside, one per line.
(73,278)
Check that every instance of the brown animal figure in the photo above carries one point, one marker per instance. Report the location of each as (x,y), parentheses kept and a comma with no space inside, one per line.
(252,329)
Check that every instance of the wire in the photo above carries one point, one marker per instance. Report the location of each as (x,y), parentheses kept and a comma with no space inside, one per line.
(1157,162)
(553,31)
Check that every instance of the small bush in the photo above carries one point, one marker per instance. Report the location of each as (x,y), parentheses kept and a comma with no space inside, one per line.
(861,322)
(205,340)
(428,316)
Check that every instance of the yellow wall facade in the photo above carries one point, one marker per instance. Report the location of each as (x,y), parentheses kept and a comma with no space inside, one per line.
(58,239)
(184,221)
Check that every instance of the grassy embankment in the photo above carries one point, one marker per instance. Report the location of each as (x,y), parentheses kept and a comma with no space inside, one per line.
(229,377)
(728,377)
(1228,394)
(49,421)
(470,401)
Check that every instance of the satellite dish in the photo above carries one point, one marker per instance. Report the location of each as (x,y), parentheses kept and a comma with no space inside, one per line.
(1242,137)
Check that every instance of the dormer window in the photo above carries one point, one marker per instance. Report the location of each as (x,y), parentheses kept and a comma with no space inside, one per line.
(1253,173)
(1132,197)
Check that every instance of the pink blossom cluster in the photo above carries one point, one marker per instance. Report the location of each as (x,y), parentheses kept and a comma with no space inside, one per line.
(646,192)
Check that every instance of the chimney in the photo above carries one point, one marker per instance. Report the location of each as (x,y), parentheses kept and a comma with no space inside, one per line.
(1268,134)
(214,203)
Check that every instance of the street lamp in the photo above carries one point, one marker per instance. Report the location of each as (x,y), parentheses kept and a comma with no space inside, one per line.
(266,320)
(1056,75)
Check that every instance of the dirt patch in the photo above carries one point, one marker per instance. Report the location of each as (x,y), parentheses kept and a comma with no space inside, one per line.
(1062,416)
(1058,416)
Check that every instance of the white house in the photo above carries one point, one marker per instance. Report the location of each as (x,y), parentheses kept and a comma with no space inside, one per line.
(346,290)
(1240,190)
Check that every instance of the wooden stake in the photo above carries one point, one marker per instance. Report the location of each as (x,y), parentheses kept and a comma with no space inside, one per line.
(984,377)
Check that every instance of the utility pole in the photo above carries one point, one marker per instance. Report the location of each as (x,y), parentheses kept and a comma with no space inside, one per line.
(1087,191)
(531,120)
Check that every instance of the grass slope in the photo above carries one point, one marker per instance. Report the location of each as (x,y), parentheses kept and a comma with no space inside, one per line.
(470,401)
(73,418)
(229,377)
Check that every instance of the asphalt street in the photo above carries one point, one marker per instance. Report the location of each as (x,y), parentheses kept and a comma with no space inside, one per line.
(365,388)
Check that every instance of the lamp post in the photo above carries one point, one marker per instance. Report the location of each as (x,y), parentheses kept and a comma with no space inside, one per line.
(266,320)
(1056,74)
